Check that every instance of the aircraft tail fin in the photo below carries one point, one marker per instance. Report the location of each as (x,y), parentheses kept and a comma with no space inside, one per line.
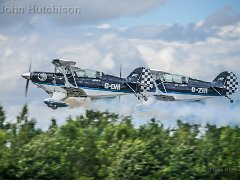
(228,81)
(142,76)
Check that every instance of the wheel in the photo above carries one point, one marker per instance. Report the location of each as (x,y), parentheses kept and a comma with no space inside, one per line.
(145,98)
(54,107)
(231,101)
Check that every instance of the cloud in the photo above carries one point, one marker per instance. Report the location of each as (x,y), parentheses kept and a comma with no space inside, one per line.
(3,38)
(202,60)
(91,11)
(214,112)
(107,61)
(218,21)
(195,50)
(104,26)
(36,109)
(230,31)
(222,17)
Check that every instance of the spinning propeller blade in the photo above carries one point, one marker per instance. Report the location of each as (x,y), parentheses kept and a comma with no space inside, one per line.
(120,72)
(27,77)
(26,88)
(30,66)
(120,75)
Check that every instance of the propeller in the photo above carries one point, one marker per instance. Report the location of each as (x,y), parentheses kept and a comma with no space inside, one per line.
(27,77)
(120,71)
(120,75)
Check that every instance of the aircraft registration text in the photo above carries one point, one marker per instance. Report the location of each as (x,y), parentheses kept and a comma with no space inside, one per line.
(112,86)
(200,90)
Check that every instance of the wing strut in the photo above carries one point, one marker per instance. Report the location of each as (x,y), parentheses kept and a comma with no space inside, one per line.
(64,65)
(73,76)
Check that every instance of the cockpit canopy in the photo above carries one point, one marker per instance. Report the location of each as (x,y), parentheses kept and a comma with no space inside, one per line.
(174,78)
(87,73)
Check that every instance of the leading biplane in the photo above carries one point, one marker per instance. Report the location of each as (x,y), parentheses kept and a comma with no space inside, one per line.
(67,81)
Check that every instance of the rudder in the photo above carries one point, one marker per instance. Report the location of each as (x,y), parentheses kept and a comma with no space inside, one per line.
(228,81)
(142,76)
(231,83)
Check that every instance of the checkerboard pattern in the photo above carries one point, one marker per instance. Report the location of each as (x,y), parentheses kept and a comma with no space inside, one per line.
(147,80)
(231,83)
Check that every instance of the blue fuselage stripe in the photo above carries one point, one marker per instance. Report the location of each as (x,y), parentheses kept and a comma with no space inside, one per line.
(130,91)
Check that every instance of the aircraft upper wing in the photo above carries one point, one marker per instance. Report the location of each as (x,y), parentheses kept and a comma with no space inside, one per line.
(62,65)
(63,62)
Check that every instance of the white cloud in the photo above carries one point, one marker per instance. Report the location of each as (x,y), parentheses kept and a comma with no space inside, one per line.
(222,17)
(3,38)
(104,26)
(199,23)
(201,58)
(107,61)
(8,52)
(230,31)
(220,23)
(157,59)
(91,11)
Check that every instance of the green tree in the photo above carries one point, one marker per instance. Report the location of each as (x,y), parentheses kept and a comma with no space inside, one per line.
(2,118)
(4,150)
(53,124)
(102,145)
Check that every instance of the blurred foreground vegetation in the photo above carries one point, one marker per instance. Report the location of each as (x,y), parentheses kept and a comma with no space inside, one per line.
(102,145)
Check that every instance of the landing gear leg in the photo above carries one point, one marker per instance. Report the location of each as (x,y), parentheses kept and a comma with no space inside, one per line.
(143,96)
(138,95)
(231,101)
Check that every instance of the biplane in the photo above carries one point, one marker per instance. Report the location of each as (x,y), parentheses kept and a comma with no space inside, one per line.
(68,80)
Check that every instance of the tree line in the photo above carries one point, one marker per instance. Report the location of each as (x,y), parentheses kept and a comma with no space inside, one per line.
(103,145)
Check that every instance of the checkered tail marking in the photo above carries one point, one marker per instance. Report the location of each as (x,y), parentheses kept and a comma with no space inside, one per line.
(231,83)
(147,81)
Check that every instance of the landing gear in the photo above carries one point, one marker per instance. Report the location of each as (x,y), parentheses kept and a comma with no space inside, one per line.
(52,106)
(138,95)
(231,101)
(144,97)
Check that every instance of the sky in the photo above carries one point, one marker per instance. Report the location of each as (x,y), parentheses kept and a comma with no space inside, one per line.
(192,37)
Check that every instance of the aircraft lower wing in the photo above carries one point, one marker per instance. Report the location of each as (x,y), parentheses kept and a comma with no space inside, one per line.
(161,97)
(61,94)
(178,97)
(75,92)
